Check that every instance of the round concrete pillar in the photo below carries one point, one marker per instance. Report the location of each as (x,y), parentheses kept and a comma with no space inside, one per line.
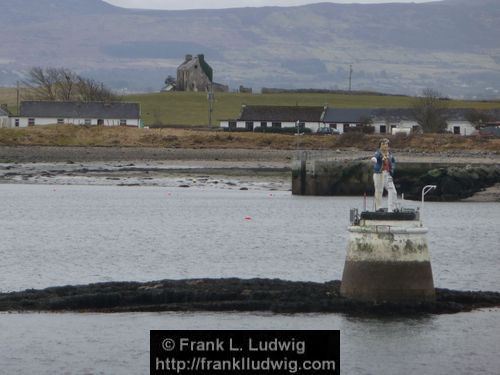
(388,260)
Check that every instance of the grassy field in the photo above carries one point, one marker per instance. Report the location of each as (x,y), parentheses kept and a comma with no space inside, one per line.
(59,135)
(182,108)
(8,96)
(186,108)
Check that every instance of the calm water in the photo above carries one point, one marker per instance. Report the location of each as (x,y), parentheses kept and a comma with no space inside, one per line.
(48,344)
(56,235)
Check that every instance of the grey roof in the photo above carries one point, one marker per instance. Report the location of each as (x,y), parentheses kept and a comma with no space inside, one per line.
(358,115)
(353,115)
(112,110)
(460,114)
(393,114)
(281,113)
(342,115)
(347,115)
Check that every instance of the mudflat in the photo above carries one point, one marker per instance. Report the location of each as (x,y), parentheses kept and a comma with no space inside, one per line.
(211,156)
(177,166)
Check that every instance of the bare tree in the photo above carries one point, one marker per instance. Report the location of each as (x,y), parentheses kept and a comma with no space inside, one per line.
(41,83)
(90,90)
(66,84)
(62,84)
(478,118)
(429,111)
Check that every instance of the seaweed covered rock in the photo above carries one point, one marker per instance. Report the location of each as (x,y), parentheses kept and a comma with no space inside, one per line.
(277,296)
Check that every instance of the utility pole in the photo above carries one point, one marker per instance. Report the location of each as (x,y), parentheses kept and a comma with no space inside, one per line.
(210,98)
(18,97)
(350,77)
(297,135)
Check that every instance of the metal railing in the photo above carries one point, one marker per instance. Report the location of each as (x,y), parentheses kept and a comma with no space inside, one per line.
(427,189)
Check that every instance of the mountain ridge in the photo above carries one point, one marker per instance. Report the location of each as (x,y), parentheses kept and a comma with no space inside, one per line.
(450,45)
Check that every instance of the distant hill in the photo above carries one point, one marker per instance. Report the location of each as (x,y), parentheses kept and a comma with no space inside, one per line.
(450,45)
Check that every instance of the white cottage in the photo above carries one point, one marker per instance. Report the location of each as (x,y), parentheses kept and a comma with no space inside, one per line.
(383,121)
(34,113)
(458,120)
(394,121)
(345,119)
(457,124)
(378,120)
(270,116)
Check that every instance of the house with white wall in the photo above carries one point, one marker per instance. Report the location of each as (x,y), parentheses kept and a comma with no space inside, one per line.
(345,119)
(461,127)
(269,116)
(394,121)
(314,118)
(34,113)
(383,121)
(458,124)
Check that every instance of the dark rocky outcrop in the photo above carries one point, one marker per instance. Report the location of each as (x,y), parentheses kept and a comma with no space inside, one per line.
(454,181)
(229,295)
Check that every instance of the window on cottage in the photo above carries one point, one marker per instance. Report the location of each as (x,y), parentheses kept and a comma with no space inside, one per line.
(456,130)
(276,125)
(60,121)
(383,129)
(16,122)
(88,121)
(232,124)
(333,126)
(263,124)
(31,122)
(249,125)
(123,122)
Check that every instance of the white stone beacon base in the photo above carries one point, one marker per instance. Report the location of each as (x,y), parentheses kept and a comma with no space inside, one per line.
(387,259)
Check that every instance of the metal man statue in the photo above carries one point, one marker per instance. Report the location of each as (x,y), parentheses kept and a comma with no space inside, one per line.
(383,169)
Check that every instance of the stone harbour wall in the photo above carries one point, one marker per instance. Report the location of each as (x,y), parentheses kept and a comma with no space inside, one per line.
(354,178)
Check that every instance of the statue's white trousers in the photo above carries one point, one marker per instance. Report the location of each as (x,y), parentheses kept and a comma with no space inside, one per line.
(383,181)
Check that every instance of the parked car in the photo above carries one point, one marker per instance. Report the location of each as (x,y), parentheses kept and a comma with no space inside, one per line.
(327,131)
(490,131)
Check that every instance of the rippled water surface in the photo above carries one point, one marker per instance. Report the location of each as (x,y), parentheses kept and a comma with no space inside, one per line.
(56,235)
(46,344)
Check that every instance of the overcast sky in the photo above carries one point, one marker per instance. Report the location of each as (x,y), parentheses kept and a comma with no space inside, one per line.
(206,4)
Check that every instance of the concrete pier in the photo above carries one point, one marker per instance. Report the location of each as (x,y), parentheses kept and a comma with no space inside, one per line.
(328,176)
(388,259)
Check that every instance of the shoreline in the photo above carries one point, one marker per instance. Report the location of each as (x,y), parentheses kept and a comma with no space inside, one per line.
(242,169)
